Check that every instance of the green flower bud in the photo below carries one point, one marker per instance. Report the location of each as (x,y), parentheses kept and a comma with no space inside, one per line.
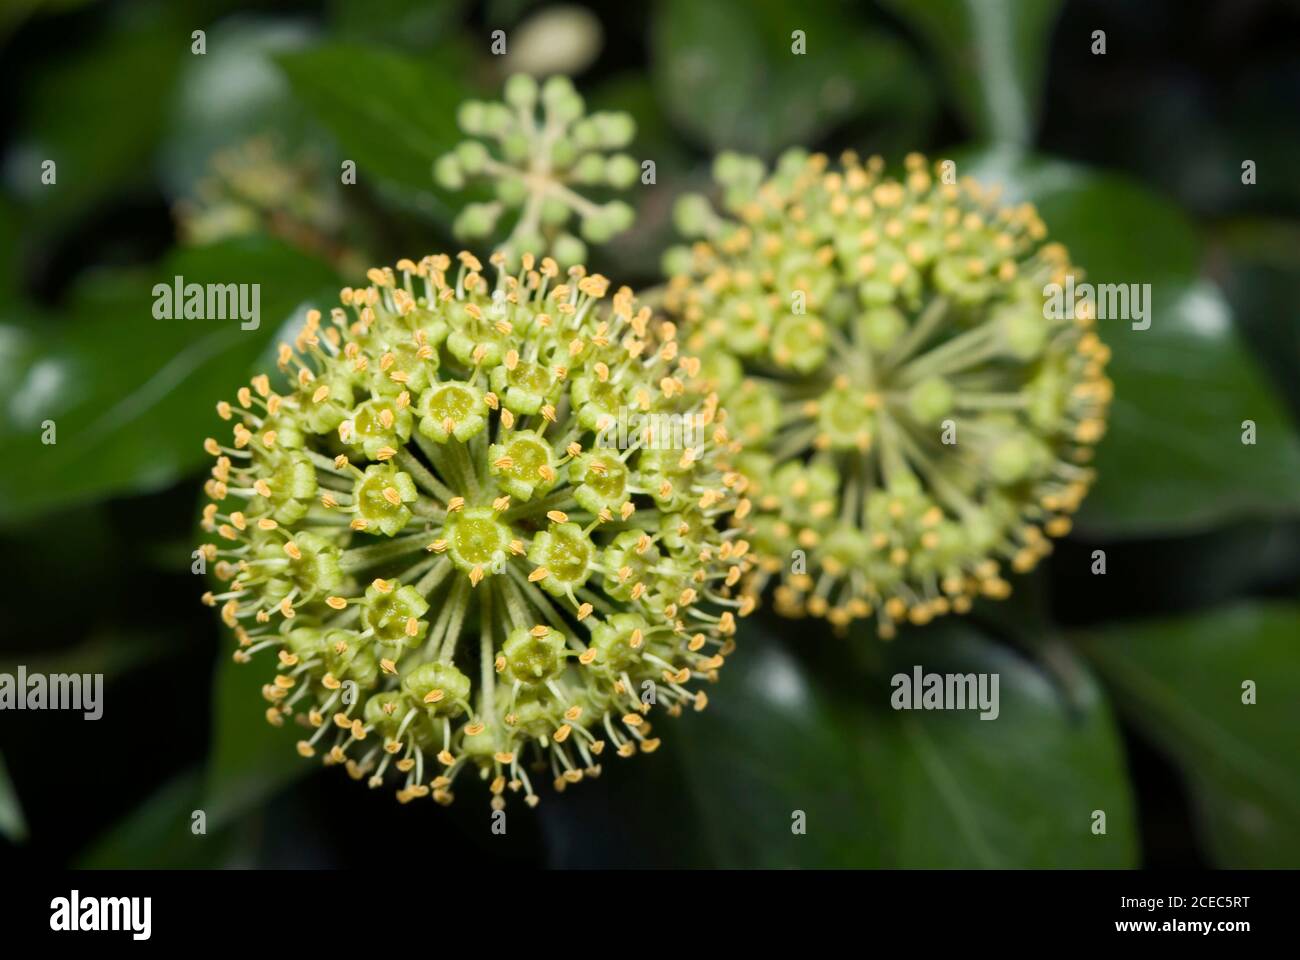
(477,220)
(470,117)
(602,482)
(597,228)
(799,343)
(930,400)
(563,154)
(497,120)
(569,250)
(565,552)
(586,134)
(615,130)
(524,386)
(472,156)
(523,465)
(618,215)
(476,539)
(882,327)
(692,215)
(512,191)
(621,171)
(516,147)
(1023,330)
(554,212)
(556,89)
(676,260)
(590,169)
(448,173)
(452,409)
(521,91)
(525,241)
(618,640)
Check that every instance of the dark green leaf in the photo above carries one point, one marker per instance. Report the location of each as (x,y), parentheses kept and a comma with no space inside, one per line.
(773,742)
(994,54)
(11,228)
(108,653)
(1180,681)
(416,24)
(1018,791)
(160,834)
(391,113)
(249,760)
(13,826)
(1173,458)
(1259,261)
(231,94)
(132,396)
(99,111)
(727,74)
(878,787)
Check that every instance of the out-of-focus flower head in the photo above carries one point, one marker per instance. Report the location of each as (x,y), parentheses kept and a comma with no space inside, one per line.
(261,187)
(915,422)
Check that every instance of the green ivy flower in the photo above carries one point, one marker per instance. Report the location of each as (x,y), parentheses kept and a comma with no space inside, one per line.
(544,149)
(453,569)
(913,419)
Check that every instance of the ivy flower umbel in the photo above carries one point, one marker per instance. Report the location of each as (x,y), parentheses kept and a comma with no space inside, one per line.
(545,147)
(450,567)
(260,186)
(913,422)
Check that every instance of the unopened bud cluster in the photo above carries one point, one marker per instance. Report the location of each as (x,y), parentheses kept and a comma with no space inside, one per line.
(541,152)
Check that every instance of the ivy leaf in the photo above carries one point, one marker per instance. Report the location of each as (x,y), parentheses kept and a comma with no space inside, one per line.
(994,54)
(1173,459)
(232,94)
(414,24)
(13,826)
(1259,261)
(774,753)
(1023,790)
(248,760)
(160,834)
(729,76)
(393,114)
(98,113)
(1182,683)
(132,396)
(779,751)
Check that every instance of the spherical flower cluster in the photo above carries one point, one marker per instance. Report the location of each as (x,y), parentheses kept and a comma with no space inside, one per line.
(457,550)
(261,187)
(914,420)
(540,156)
